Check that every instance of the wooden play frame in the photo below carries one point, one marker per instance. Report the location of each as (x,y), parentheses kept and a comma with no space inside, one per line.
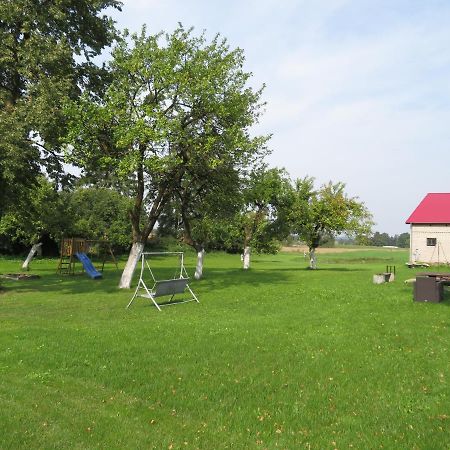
(69,247)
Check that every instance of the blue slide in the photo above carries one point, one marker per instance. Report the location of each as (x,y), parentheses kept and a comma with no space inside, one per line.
(88,266)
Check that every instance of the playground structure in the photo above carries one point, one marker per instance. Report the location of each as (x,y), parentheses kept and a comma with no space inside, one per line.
(178,284)
(74,250)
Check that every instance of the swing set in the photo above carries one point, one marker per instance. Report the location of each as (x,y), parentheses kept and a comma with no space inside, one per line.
(178,284)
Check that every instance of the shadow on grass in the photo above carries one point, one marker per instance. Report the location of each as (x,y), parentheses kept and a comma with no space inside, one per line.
(214,278)
(446,296)
(226,278)
(79,284)
(217,278)
(65,284)
(332,269)
(357,260)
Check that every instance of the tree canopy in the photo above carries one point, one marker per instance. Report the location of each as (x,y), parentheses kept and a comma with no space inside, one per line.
(46,49)
(98,213)
(45,56)
(380,239)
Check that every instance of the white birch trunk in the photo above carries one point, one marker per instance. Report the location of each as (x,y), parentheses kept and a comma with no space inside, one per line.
(199,267)
(135,253)
(312,258)
(30,256)
(246,258)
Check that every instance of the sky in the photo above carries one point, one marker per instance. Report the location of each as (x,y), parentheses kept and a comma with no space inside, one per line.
(357,91)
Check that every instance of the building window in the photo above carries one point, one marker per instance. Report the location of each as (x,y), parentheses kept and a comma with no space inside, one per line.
(431,242)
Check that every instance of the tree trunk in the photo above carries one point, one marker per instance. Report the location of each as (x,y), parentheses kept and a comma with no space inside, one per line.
(30,256)
(246,258)
(135,253)
(312,258)
(199,267)
(140,236)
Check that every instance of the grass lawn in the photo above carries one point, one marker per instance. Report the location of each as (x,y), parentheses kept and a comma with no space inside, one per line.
(275,357)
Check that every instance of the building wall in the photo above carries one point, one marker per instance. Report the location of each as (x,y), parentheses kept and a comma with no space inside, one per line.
(420,251)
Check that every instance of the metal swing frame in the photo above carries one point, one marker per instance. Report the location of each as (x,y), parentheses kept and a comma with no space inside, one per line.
(177,285)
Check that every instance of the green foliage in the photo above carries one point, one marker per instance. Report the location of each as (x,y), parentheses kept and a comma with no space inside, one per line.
(177,108)
(262,221)
(328,211)
(44,213)
(204,201)
(92,213)
(45,49)
(99,213)
(380,239)
(403,240)
(19,168)
(38,44)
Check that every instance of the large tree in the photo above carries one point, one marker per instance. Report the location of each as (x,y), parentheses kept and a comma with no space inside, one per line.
(328,211)
(176,103)
(45,56)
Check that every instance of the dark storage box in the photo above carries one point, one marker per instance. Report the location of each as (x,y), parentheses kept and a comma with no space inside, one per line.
(428,289)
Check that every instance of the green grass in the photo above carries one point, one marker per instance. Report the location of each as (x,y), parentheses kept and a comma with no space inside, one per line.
(275,357)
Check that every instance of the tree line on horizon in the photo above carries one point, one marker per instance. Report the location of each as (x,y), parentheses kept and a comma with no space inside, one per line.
(162,135)
(377,239)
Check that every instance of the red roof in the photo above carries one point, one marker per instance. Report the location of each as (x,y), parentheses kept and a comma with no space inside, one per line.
(434,208)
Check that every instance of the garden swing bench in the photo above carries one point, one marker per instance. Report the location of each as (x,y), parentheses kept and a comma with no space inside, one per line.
(161,288)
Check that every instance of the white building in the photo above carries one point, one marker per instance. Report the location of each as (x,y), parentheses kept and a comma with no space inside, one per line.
(430,230)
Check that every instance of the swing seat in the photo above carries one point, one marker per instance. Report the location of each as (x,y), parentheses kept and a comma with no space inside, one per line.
(169,287)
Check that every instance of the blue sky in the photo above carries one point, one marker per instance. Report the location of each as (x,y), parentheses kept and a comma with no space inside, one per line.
(357,90)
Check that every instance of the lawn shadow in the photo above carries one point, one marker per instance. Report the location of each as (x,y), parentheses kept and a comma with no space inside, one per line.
(79,284)
(332,269)
(222,278)
(213,278)
(66,284)
(446,296)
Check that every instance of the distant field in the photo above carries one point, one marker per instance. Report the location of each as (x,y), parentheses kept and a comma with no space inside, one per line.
(275,357)
(341,249)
